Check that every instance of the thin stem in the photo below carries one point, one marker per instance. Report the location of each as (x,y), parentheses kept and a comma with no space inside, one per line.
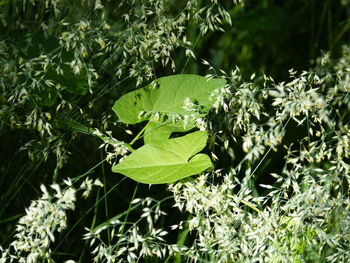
(127,214)
(137,136)
(251,206)
(105,199)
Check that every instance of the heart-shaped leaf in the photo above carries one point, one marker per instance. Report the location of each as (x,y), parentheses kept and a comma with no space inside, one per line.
(166,161)
(166,96)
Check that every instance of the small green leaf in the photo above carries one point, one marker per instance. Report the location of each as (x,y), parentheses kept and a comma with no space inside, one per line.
(158,131)
(167,95)
(166,161)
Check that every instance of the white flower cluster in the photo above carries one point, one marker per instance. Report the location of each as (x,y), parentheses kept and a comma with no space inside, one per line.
(119,148)
(36,230)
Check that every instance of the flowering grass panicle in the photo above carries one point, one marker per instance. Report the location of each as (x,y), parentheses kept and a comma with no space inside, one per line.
(302,214)
(35,231)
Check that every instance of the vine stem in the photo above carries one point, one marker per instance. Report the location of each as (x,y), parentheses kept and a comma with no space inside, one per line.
(138,136)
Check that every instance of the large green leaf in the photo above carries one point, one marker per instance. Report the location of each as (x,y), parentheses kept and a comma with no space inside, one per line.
(166,161)
(167,95)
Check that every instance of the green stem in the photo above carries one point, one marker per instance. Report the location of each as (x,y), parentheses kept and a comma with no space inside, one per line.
(121,230)
(127,214)
(138,136)
(251,206)
(105,202)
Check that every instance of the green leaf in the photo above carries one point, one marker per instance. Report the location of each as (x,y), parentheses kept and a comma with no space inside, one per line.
(158,131)
(166,161)
(167,95)
(42,97)
(75,84)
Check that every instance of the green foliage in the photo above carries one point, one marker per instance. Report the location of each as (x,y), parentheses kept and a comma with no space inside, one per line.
(160,131)
(163,103)
(278,190)
(166,97)
(166,161)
